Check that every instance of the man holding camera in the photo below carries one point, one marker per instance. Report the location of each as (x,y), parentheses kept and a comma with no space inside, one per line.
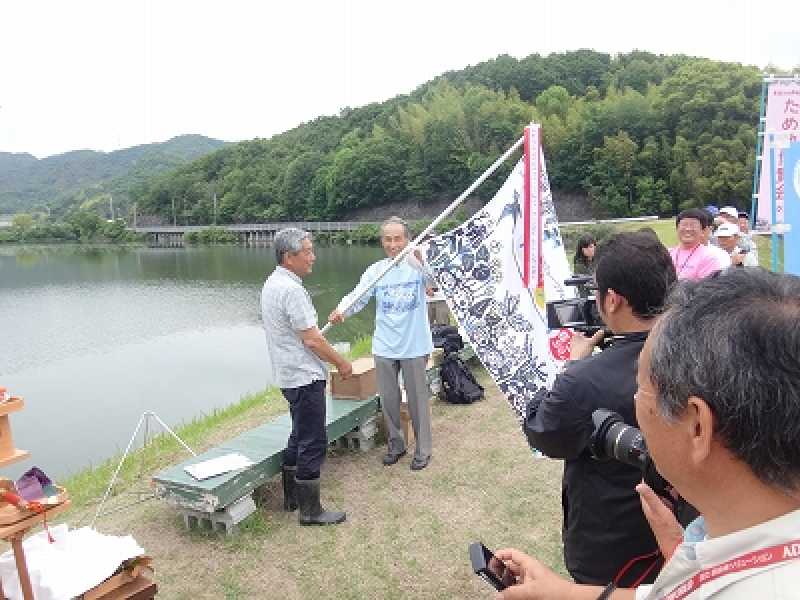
(722,421)
(604,527)
(728,238)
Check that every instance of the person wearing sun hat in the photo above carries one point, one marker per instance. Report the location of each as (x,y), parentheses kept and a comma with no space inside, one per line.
(728,237)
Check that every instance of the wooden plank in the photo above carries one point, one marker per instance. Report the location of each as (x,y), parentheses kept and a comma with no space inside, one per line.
(264,445)
(16,456)
(140,588)
(8,531)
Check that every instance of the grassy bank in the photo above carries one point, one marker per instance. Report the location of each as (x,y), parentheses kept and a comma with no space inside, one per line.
(202,432)
(407,532)
(88,485)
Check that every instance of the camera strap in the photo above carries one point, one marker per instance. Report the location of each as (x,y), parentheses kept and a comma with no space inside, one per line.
(757,559)
(655,557)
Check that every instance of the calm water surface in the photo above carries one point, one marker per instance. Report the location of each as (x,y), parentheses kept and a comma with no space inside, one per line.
(93,337)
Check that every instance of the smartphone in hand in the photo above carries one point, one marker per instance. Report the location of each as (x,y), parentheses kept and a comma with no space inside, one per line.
(486,565)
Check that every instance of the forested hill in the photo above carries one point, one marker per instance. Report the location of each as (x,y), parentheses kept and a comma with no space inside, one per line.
(638,133)
(82,177)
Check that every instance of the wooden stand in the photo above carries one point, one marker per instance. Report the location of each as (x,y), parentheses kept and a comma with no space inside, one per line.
(8,453)
(14,534)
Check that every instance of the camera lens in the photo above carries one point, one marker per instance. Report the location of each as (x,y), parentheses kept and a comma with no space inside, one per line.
(613,438)
(626,444)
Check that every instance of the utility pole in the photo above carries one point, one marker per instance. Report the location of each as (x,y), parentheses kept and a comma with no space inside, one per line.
(111,205)
(215,208)
(174,217)
(135,207)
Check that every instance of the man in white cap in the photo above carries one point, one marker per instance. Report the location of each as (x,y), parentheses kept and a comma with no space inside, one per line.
(729,214)
(728,237)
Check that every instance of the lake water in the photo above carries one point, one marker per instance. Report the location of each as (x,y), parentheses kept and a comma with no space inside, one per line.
(93,337)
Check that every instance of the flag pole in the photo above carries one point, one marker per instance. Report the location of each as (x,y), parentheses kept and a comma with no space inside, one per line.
(445,213)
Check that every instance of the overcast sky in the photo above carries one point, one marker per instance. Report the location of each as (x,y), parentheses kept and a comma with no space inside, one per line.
(109,74)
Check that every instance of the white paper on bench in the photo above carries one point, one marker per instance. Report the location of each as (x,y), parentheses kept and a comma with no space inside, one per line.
(218,465)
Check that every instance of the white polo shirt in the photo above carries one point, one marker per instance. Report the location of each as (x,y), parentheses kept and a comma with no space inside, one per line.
(735,566)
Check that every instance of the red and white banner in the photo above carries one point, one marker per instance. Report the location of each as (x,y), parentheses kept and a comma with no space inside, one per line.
(531,231)
(782,127)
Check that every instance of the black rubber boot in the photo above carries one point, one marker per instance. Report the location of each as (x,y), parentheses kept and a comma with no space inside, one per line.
(289,488)
(311,511)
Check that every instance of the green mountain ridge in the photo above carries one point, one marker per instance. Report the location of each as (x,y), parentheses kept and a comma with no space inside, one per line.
(59,182)
(636,134)
(631,134)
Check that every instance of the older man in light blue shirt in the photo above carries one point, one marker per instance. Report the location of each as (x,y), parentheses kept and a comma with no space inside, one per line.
(401,342)
(297,350)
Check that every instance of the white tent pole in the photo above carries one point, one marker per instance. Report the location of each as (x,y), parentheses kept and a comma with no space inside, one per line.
(445,213)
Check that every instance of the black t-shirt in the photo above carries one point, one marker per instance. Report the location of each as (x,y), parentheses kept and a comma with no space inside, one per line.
(604,526)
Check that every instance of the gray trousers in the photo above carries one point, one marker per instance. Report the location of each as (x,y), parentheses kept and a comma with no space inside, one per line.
(418,396)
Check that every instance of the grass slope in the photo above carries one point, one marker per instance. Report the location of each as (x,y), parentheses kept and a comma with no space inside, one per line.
(406,534)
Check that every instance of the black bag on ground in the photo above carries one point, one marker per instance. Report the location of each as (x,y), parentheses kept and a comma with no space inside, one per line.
(441,333)
(447,338)
(458,384)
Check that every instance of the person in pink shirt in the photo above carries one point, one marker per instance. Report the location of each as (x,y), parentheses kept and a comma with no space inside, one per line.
(691,257)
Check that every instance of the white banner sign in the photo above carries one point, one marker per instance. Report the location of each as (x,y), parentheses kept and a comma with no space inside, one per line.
(781,128)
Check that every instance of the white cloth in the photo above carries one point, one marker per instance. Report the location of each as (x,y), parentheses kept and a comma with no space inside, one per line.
(478,266)
(723,258)
(78,560)
(776,581)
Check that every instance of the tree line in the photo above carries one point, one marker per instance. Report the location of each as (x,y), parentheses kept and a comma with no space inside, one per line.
(637,133)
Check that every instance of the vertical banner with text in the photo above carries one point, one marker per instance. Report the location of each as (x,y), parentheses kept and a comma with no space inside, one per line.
(791,239)
(782,122)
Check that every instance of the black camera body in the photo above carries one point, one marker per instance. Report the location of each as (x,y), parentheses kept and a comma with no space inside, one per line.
(613,438)
(580,314)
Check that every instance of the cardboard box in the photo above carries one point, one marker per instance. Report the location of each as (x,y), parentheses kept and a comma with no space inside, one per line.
(435,359)
(405,419)
(405,424)
(361,386)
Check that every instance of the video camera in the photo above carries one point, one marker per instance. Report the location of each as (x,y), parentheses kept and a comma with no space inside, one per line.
(579,314)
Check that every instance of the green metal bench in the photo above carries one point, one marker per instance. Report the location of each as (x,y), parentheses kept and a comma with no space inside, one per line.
(263,445)
(224,500)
